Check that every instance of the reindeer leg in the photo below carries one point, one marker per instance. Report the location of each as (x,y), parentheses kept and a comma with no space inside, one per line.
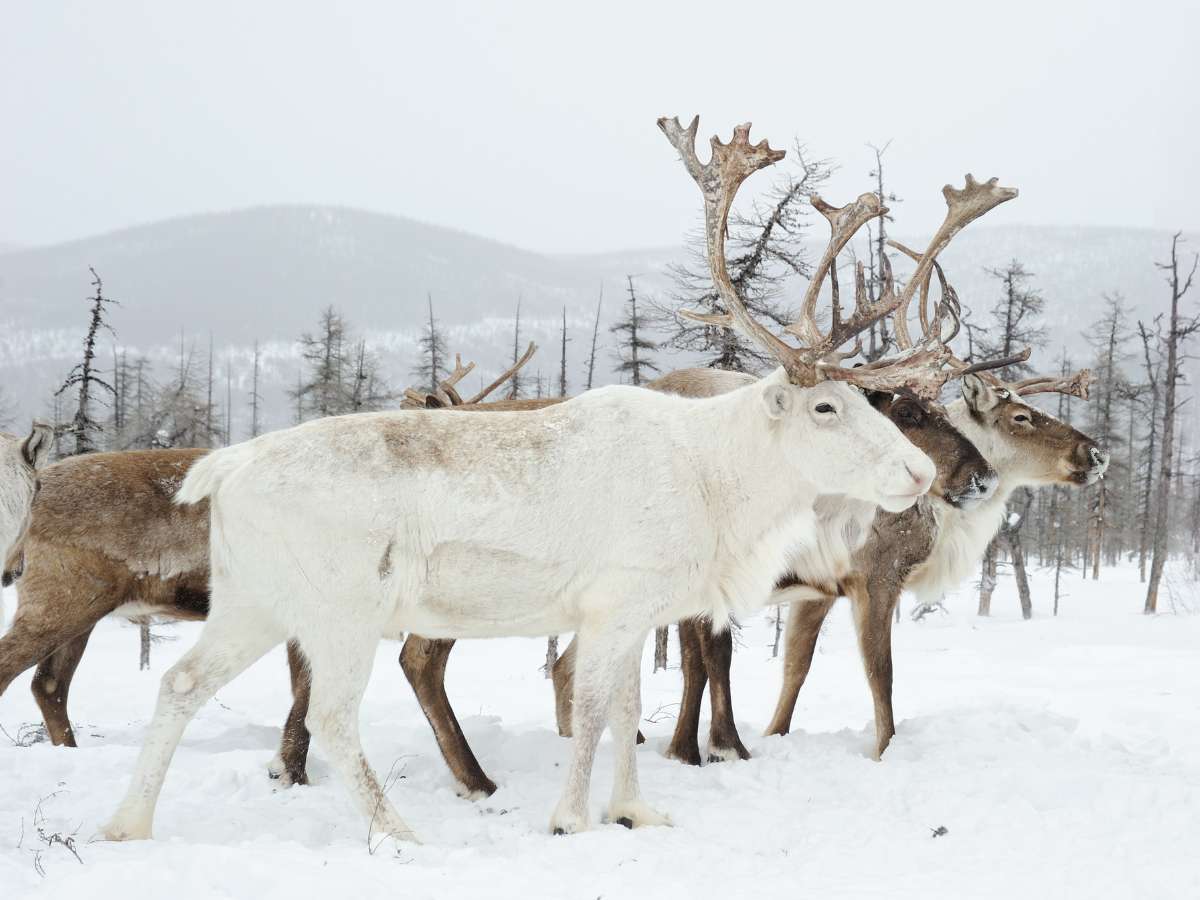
(51,685)
(291,762)
(602,659)
(803,628)
(625,709)
(424,664)
(873,620)
(227,645)
(32,638)
(340,658)
(563,678)
(685,742)
(724,743)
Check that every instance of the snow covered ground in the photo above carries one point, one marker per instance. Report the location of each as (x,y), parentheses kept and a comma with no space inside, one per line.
(1062,756)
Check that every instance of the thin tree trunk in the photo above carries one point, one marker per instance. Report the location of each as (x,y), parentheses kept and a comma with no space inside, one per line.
(987,579)
(1018,563)
(660,648)
(1175,335)
(595,334)
(144,655)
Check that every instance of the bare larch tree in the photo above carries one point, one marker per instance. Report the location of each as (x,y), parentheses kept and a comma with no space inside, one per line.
(1107,337)
(431,368)
(1153,363)
(591,369)
(1179,329)
(1012,330)
(879,341)
(255,396)
(516,383)
(85,376)
(633,347)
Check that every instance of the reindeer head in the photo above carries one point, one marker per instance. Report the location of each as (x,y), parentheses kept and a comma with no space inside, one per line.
(1030,446)
(19,462)
(964,477)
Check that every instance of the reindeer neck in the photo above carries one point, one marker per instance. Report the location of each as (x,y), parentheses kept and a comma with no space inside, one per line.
(750,485)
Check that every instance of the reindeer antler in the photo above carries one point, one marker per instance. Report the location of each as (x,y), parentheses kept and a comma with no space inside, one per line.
(916,370)
(1077,385)
(507,374)
(719,180)
(445,395)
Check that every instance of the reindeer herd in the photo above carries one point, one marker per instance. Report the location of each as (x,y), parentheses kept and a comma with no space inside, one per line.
(697,500)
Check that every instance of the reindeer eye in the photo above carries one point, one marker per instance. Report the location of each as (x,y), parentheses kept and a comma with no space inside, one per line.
(1020,417)
(824,408)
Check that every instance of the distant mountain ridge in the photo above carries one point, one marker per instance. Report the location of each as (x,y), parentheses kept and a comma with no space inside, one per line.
(264,273)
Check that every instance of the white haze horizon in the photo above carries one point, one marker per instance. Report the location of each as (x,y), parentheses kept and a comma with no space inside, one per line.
(536,129)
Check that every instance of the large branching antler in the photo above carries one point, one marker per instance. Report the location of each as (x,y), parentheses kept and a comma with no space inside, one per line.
(963,206)
(917,370)
(719,180)
(949,308)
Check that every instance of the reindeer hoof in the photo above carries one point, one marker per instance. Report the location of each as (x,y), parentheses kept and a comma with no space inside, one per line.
(568,823)
(689,756)
(278,770)
(727,754)
(116,831)
(636,814)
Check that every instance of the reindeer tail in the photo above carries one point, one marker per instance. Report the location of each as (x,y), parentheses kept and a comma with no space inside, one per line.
(208,473)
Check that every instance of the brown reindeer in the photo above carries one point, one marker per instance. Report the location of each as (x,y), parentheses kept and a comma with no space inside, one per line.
(104,538)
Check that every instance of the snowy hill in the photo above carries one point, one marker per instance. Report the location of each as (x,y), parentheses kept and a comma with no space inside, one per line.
(265,273)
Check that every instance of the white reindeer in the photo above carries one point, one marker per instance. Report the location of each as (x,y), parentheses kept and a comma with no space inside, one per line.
(607,515)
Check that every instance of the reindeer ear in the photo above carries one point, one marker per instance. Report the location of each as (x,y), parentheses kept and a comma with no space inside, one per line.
(35,449)
(777,399)
(978,394)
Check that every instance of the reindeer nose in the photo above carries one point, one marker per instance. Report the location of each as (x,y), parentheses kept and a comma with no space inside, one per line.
(1093,456)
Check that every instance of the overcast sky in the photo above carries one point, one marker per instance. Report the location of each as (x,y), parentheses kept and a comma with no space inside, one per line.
(534,123)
